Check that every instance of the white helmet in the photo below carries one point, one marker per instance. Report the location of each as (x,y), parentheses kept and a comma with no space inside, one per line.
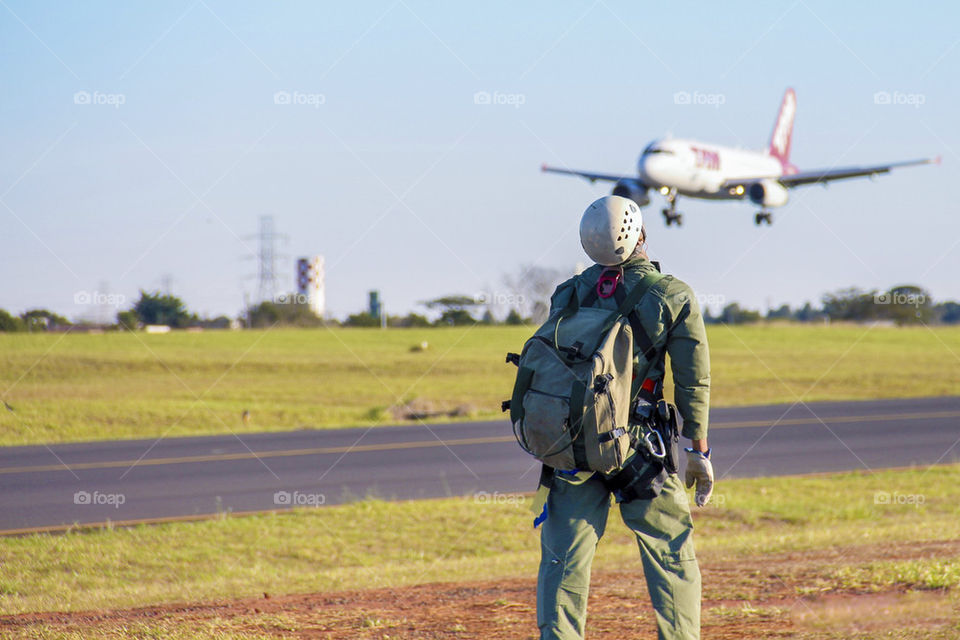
(610,229)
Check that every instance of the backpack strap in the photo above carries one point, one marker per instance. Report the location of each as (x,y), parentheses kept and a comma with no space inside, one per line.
(638,291)
(640,338)
(578,396)
(628,306)
(592,296)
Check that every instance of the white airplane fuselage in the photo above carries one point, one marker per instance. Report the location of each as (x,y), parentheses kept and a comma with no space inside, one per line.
(699,169)
(677,167)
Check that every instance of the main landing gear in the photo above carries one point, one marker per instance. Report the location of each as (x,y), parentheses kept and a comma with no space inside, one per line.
(763,216)
(670,215)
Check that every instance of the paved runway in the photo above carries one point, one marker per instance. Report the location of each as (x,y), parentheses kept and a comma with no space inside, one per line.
(146,479)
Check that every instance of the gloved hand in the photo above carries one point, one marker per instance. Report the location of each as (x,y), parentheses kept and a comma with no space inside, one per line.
(699,470)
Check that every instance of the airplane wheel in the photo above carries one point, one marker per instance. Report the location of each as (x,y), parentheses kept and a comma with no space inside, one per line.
(667,217)
(769,218)
(757,219)
(678,218)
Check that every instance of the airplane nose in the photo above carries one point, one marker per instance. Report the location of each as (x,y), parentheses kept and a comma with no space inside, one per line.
(651,169)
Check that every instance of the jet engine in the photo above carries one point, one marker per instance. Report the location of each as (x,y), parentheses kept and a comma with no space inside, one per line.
(768,193)
(633,189)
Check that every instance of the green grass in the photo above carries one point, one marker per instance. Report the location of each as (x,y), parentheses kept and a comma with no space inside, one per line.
(119,385)
(214,629)
(379,544)
(927,573)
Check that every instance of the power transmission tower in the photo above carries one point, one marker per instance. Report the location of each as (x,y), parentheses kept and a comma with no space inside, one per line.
(267,258)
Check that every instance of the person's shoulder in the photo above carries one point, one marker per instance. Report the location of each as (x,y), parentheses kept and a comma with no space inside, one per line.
(673,283)
(668,289)
(677,294)
(562,291)
(588,275)
(666,281)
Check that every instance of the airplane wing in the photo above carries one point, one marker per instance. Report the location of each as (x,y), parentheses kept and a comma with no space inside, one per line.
(826,175)
(592,177)
(822,176)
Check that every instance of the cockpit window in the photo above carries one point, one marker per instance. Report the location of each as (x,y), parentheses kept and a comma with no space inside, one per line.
(653,148)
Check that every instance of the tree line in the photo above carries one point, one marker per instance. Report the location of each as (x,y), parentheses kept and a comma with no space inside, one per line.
(525,302)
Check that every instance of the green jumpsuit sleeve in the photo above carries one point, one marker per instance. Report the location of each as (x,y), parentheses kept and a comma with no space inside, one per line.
(689,359)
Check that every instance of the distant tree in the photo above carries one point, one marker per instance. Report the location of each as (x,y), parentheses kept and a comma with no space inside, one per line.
(851,304)
(906,304)
(783,312)
(265,314)
(161,308)
(806,313)
(363,319)
(455,309)
(128,320)
(456,317)
(408,321)
(271,314)
(42,320)
(10,323)
(487,317)
(416,320)
(514,318)
(451,302)
(733,314)
(947,313)
(531,288)
(220,322)
(299,315)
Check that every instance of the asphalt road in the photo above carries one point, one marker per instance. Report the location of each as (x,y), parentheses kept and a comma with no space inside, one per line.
(127,480)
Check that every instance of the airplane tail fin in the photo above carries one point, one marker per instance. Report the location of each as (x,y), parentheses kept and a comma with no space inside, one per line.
(783,129)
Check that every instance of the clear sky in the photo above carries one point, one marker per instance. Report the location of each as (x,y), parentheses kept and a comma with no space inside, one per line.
(384,163)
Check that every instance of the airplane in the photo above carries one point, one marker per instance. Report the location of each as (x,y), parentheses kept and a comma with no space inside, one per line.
(676,167)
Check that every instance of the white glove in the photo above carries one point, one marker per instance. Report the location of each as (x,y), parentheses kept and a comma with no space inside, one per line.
(699,470)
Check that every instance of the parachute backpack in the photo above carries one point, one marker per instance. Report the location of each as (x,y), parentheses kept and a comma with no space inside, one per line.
(571,402)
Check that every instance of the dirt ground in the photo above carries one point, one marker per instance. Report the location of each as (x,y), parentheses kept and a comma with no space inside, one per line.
(778,596)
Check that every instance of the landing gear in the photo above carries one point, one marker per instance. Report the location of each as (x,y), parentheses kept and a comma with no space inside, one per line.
(671,218)
(763,216)
(670,215)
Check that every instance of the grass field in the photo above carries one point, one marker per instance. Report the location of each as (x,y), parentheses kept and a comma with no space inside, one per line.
(804,536)
(120,385)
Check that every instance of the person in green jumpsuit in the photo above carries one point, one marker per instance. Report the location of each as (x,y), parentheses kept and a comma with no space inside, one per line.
(577,504)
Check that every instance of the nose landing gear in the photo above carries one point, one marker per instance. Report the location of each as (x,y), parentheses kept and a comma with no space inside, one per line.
(670,215)
(763,216)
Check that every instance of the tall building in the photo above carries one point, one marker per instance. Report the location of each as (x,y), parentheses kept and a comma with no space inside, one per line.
(311,283)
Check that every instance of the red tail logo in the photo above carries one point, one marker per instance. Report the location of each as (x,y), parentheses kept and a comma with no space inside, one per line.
(783,129)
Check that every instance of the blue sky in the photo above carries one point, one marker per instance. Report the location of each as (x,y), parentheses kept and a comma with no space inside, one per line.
(387,167)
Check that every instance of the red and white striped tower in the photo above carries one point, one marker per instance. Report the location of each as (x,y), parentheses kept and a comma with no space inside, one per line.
(311,283)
